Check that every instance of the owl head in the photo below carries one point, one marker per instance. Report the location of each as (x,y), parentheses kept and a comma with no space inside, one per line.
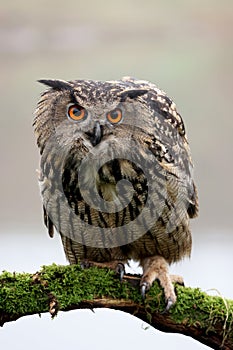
(94,111)
(90,110)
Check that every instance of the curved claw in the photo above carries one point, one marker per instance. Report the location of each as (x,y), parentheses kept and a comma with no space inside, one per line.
(144,288)
(85,264)
(170,302)
(143,291)
(120,270)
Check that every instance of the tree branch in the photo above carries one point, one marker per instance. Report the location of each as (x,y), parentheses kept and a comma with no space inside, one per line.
(206,318)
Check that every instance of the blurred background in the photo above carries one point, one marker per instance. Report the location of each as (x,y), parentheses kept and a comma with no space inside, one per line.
(186,48)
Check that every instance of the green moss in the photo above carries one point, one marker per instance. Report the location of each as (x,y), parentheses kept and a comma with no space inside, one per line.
(22,293)
(199,309)
(18,295)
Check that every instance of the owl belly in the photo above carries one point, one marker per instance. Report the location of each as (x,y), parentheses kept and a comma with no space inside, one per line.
(123,220)
(107,244)
(173,246)
(173,240)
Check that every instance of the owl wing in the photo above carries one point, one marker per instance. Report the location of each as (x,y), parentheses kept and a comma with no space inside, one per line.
(171,148)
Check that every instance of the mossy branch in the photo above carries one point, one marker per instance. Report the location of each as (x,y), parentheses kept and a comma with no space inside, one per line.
(207,319)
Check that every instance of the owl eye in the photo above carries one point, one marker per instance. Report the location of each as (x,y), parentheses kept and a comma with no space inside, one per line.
(115,116)
(76,112)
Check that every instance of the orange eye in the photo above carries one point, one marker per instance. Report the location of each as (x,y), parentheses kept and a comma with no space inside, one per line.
(77,113)
(115,116)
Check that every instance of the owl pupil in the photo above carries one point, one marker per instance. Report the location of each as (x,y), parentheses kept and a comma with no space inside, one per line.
(77,112)
(114,115)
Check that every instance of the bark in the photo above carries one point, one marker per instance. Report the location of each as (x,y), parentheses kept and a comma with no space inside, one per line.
(205,318)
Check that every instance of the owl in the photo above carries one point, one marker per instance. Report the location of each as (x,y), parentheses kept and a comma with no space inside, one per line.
(116,176)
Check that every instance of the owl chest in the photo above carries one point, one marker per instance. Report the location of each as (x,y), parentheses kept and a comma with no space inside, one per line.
(107,198)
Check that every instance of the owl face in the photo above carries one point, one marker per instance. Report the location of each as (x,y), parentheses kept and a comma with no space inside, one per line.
(95,111)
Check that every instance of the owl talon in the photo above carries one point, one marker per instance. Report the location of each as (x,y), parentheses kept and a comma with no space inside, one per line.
(85,264)
(120,269)
(144,288)
(170,303)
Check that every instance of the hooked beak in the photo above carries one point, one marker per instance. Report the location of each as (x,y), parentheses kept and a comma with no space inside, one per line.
(96,135)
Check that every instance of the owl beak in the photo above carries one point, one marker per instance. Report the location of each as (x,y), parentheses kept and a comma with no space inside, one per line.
(96,134)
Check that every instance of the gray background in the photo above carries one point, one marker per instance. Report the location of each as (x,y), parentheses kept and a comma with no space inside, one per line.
(186,48)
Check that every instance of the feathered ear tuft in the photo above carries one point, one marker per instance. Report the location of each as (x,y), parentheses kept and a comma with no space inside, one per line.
(56,84)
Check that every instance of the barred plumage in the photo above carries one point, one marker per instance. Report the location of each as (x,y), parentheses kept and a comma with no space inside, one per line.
(116,174)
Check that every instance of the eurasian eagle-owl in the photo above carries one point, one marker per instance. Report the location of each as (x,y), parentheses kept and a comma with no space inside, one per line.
(116,175)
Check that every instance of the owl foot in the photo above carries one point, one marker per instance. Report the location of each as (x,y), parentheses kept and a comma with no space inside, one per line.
(154,268)
(117,266)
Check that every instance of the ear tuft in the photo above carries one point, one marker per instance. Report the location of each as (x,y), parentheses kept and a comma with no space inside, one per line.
(56,84)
